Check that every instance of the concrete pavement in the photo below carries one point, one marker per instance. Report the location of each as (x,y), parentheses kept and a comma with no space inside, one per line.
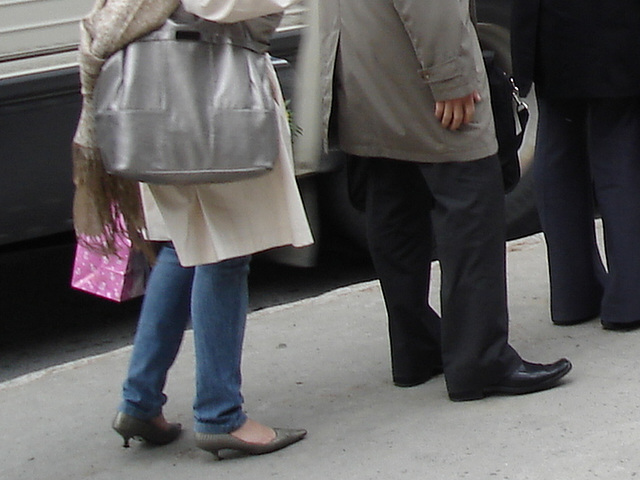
(323,364)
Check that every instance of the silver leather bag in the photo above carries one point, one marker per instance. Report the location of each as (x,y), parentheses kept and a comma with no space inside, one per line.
(189,103)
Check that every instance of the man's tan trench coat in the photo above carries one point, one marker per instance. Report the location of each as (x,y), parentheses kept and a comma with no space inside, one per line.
(210,223)
(397,58)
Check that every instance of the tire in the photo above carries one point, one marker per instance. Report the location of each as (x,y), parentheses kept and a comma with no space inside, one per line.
(343,227)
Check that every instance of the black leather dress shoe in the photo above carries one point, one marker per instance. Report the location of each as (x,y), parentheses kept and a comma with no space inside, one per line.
(528,378)
(621,326)
(414,381)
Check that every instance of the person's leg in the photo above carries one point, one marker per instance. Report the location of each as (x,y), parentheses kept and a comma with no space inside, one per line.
(564,195)
(399,236)
(468,221)
(163,318)
(614,147)
(219,310)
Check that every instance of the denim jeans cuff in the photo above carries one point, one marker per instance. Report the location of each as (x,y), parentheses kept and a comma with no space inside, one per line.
(230,425)
(130,409)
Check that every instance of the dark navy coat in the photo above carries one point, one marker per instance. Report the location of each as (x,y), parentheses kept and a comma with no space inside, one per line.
(577,48)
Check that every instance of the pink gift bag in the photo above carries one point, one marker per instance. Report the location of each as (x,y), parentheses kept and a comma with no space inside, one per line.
(118,277)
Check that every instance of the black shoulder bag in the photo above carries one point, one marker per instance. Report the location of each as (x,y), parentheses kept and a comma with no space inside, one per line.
(510,116)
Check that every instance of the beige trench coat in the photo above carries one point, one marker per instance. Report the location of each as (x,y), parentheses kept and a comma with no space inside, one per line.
(397,58)
(211,223)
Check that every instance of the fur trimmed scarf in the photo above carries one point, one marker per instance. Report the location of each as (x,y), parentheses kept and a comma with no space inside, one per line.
(101,200)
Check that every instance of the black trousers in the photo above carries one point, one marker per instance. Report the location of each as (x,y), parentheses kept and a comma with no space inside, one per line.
(461,206)
(587,146)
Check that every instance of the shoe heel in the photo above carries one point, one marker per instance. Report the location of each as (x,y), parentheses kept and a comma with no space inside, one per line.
(122,431)
(130,427)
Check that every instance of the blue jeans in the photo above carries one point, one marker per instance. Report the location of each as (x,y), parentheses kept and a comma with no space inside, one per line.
(215,296)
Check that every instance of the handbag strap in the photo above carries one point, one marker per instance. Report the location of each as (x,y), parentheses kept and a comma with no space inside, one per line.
(521,110)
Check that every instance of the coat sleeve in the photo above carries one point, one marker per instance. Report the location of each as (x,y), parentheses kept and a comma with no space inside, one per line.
(230,11)
(524,29)
(445,43)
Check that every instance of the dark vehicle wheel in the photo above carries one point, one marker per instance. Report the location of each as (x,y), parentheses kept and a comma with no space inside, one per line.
(342,226)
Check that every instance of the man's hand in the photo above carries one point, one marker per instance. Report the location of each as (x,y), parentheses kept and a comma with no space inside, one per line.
(458,111)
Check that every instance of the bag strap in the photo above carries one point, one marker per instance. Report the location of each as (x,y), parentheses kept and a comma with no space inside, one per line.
(521,109)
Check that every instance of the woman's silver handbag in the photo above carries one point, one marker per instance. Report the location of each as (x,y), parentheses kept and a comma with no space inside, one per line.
(189,103)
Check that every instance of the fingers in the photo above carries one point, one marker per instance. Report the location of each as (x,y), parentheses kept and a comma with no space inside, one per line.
(440,107)
(458,111)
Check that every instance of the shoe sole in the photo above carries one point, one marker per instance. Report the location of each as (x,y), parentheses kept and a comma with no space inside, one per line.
(571,323)
(621,327)
(478,395)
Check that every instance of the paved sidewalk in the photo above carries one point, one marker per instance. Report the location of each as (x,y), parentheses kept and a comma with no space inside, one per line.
(323,364)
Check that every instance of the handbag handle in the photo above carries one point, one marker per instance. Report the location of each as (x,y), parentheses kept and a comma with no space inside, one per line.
(196,29)
(189,35)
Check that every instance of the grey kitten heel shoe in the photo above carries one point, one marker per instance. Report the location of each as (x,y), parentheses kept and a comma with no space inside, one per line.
(214,442)
(131,427)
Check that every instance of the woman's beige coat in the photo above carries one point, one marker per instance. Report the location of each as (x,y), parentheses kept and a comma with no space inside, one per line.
(210,223)
(397,58)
